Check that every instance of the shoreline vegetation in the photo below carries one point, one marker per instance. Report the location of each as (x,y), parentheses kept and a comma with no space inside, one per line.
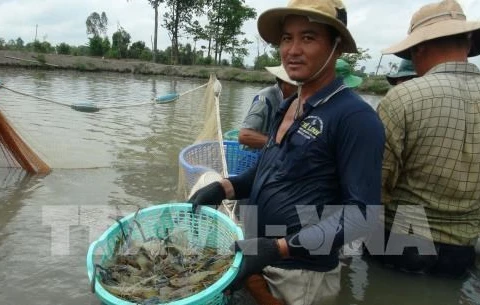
(376,85)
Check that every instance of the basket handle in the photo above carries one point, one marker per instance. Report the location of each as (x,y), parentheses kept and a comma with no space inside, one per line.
(94,279)
(120,224)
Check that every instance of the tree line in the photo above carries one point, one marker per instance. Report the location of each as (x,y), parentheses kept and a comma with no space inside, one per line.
(191,41)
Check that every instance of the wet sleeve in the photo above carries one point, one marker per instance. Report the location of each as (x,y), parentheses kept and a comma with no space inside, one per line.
(359,153)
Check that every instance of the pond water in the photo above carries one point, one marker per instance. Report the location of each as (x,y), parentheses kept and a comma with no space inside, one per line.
(107,163)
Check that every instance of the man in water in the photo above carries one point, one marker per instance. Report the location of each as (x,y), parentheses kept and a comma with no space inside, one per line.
(256,125)
(319,174)
(431,168)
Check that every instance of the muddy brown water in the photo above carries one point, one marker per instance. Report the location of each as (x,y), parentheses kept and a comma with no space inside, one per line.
(109,162)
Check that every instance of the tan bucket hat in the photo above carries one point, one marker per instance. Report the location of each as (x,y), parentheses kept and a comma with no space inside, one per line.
(440,19)
(279,71)
(330,12)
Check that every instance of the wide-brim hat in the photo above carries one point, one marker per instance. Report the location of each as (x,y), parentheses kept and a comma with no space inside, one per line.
(405,70)
(329,12)
(343,69)
(279,71)
(441,19)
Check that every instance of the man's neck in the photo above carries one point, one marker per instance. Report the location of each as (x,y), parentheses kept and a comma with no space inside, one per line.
(311,87)
(435,56)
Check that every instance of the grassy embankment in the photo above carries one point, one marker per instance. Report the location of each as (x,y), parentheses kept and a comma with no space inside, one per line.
(371,85)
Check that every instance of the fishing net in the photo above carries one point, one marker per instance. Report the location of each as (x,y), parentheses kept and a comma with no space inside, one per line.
(204,161)
(210,158)
(69,121)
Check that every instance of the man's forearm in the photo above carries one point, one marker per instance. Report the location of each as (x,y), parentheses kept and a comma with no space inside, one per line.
(252,138)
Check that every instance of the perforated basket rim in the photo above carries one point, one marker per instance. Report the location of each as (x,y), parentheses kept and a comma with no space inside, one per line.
(230,144)
(186,149)
(197,298)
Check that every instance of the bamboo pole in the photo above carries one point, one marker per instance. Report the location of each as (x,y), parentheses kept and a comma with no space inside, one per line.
(22,153)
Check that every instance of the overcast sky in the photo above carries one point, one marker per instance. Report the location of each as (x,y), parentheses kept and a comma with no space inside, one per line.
(375,24)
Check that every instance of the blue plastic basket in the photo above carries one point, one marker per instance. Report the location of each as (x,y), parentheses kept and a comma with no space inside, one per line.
(238,159)
(197,159)
(200,158)
(209,228)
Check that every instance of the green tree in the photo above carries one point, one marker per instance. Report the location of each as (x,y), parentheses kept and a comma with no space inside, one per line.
(238,51)
(196,32)
(136,49)
(11,44)
(164,56)
(120,42)
(266,60)
(105,45)
(155,4)
(95,46)
(237,62)
(97,24)
(185,54)
(40,47)
(63,48)
(98,46)
(208,60)
(354,58)
(19,43)
(227,18)
(80,51)
(177,20)
(146,55)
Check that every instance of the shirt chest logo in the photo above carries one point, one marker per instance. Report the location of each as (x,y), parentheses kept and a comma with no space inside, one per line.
(311,127)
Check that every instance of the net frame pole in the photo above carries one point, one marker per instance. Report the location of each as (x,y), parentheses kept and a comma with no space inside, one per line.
(22,153)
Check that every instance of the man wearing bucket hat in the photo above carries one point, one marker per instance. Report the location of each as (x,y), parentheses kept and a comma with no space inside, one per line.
(323,156)
(432,155)
(405,72)
(255,126)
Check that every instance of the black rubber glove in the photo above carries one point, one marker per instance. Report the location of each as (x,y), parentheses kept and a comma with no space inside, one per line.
(257,254)
(212,194)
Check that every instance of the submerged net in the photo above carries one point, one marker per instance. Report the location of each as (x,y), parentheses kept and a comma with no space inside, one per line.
(43,128)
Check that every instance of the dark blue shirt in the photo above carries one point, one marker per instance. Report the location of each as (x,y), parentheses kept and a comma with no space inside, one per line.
(332,155)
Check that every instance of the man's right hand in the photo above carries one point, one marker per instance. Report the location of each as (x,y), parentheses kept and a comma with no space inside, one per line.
(212,194)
